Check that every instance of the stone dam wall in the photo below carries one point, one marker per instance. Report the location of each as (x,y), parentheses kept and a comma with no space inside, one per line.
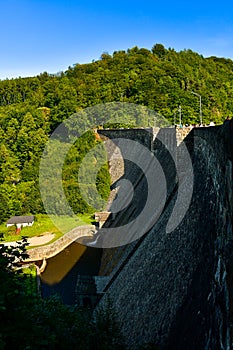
(174,290)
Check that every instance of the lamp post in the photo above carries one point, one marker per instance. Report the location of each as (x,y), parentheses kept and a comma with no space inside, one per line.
(178,110)
(180,115)
(200,110)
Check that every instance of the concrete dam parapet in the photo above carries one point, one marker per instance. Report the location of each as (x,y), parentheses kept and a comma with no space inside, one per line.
(174,290)
(52,249)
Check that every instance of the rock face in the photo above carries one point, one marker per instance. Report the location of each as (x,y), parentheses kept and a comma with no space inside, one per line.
(174,290)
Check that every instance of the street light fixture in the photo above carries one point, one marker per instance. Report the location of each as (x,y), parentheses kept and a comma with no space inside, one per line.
(178,110)
(194,93)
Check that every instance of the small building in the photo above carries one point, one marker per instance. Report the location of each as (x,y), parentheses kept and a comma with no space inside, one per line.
(20,221)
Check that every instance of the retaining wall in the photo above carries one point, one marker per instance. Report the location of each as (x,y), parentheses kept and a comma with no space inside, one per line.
(52,249)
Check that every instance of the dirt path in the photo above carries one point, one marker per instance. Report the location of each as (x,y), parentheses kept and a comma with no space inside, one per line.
(37,240)
(42,239)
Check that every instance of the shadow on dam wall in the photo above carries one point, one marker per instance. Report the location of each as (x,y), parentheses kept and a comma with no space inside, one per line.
(172,289)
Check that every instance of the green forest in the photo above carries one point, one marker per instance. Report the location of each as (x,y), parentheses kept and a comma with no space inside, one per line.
(31,109)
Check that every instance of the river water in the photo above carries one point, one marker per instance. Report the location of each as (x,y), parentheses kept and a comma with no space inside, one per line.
(61,272)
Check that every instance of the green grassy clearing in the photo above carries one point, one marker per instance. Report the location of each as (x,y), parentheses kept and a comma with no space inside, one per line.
(44,225)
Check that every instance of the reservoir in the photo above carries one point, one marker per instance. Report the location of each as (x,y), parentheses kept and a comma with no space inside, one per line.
(60,274)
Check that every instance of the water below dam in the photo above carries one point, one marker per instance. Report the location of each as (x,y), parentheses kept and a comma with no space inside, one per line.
(60,274)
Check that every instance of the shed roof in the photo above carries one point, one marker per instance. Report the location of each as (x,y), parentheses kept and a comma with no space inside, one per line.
(21,219)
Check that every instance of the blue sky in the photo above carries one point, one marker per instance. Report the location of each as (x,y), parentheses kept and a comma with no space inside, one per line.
(40,35)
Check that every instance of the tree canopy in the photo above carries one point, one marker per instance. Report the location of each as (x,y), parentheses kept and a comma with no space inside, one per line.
(160,79)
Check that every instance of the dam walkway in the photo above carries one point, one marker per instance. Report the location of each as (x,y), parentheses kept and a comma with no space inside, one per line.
(52,249)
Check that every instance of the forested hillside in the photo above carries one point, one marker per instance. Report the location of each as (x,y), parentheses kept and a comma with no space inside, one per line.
(31,108)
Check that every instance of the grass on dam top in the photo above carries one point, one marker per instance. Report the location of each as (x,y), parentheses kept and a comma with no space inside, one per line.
(44,225)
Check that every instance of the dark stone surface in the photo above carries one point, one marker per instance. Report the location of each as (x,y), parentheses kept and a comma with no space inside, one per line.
(173,291)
